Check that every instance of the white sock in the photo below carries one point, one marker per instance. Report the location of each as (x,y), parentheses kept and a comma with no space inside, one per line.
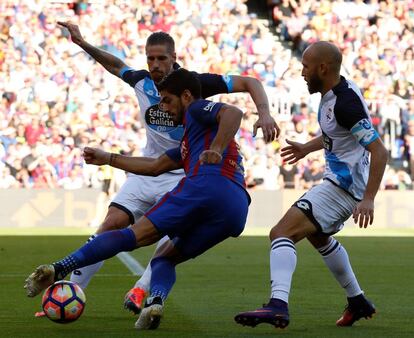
(83,276)
(282,267)
(337,260)
(145,280)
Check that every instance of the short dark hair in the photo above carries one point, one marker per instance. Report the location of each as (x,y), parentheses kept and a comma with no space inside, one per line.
(161,38)
(179,80)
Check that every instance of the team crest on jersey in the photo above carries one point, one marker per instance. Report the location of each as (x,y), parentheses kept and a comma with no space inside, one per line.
(329,114)
(151,92)
(162,122)
(184,149)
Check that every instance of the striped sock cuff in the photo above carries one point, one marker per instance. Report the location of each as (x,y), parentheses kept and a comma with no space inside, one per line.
(282,242)
(332,247)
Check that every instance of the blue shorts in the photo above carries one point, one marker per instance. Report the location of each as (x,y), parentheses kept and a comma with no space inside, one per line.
(200,212)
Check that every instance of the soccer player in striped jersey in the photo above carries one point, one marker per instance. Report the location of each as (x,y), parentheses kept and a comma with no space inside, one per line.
(139,192)
(195,214)
(355,162)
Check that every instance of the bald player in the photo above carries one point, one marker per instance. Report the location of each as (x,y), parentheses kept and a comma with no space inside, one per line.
(355,162)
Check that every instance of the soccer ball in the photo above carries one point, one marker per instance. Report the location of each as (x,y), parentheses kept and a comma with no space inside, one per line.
(63,302)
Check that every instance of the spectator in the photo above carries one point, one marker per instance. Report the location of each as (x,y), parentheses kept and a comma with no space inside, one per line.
(7,180)
(54,99)
(312,175)
(289,176)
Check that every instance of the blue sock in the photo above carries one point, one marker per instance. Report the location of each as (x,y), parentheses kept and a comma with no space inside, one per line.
(102,247)
(162,277)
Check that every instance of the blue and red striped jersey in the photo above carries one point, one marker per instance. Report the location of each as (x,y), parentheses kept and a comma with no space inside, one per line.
(200,128)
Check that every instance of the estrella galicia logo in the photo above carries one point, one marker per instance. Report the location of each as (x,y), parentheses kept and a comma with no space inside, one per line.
(162,122)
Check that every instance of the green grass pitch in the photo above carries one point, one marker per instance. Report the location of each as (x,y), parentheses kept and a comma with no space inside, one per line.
(211,289)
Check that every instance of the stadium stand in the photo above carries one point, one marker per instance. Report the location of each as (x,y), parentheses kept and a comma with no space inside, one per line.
(55,99)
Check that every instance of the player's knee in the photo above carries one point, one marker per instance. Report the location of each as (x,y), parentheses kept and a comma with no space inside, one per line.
(114,221)
(277,231)
(319,240)
(284,230)
(163,261)
(108,225)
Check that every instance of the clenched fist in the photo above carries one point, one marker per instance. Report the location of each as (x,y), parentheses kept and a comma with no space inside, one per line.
(96,156)
(210,157)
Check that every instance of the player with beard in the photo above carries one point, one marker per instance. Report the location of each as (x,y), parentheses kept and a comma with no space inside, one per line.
(139,193)
(206,207)
(355,162)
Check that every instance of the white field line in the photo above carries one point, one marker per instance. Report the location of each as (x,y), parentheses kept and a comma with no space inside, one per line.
(131,263)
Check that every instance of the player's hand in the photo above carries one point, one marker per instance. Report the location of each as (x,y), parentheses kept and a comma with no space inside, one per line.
(210,157)
(364,213)
(293,152)
(74,31)
(269,127)
(96,156)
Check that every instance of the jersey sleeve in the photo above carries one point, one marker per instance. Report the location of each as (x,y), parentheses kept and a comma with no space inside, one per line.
(132,76)
(213,84)
(174,154)
(351,115)
(205,111)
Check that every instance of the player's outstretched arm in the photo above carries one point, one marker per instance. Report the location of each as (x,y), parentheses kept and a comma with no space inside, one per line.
(255,88)
(228,118)
(137,165)
(296,151)
(364,210)
(111,63)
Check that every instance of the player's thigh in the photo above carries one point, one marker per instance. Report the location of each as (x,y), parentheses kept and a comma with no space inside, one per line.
(178,210)
(136,196)
(170,252)
(115,219)
(293,225)
(197,200)
(167,182)
(327,207)
(145,232)
(201,238)
(226,217)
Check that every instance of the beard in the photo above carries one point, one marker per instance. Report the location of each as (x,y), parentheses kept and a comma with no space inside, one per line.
(157,77)
(315,84)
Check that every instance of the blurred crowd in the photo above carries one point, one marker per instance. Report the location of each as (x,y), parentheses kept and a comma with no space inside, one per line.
(55,99)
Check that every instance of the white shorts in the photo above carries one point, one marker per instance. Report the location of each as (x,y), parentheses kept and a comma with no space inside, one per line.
(139,193)
(327,206)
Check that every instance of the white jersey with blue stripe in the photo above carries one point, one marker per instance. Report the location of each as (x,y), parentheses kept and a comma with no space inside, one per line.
(346,129)
(162,133)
